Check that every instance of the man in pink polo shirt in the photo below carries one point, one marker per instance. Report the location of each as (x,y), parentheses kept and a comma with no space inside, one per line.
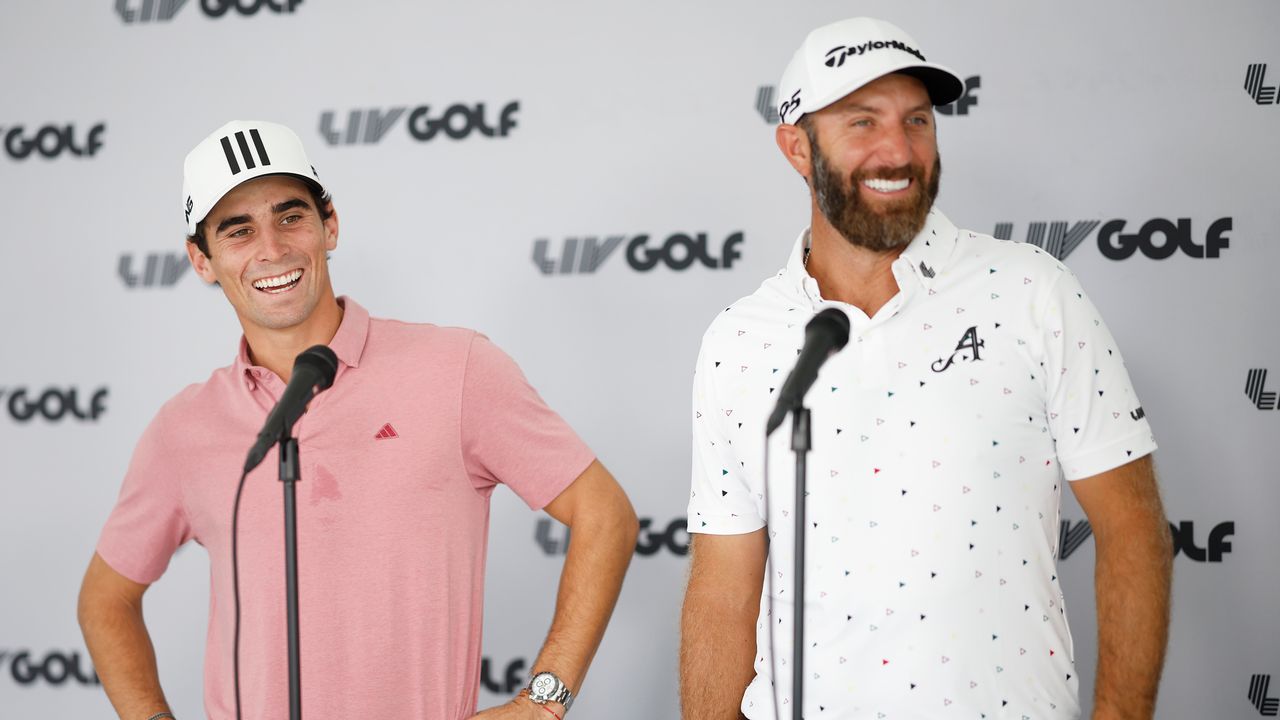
(399,458)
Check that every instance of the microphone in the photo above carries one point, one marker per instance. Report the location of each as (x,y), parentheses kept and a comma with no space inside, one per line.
(825,335)
(313,372)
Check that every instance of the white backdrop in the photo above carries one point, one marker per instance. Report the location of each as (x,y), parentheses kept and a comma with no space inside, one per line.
(629,120)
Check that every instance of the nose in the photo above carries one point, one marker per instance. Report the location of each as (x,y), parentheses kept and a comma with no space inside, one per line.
(894,147)
(271,244)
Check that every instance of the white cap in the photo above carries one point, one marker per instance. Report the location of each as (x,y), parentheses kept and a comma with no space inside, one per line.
(238,151)
(837,59)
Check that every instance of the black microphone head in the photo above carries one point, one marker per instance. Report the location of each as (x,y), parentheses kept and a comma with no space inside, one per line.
(834,321)
(322,360)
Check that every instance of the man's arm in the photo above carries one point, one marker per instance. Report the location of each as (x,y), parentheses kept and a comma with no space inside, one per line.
(110,613)
(718,623)
(602,539)
(1134,552)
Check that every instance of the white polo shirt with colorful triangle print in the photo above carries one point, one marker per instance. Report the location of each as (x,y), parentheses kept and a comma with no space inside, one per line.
(941,434)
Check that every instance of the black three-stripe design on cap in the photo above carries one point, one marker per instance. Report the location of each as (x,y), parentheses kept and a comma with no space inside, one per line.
(246,154)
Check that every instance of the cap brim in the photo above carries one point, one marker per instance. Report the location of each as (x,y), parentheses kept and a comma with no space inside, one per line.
(942,85)
(310,181)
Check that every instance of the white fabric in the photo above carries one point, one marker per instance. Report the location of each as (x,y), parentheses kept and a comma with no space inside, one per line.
(934,481)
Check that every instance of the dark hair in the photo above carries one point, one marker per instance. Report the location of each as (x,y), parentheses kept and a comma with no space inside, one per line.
(324,206)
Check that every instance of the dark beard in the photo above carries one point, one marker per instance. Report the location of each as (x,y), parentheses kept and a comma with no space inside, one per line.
(861,225)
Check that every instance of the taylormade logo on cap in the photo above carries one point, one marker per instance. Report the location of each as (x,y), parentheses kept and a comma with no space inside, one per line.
(238,151)
(837,54)
(839,58)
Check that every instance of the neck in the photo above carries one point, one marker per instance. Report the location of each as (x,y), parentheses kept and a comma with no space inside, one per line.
(850,273)
(276,349)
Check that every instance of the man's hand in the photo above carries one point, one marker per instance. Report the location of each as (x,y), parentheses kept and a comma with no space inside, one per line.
(1134,552)
(521,708)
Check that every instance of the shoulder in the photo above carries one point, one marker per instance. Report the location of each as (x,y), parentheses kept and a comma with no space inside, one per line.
(974,248)
(204,397)
(767,312)
(424,346)
(421,334)
(193,411)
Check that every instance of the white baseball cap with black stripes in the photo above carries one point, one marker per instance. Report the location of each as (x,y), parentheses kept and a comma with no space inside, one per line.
(837,59)
(238,151)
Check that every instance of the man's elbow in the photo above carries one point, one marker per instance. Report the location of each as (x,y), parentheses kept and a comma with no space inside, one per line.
(620,516)
(609,521)
(93,609)
(106,598)
(627,523)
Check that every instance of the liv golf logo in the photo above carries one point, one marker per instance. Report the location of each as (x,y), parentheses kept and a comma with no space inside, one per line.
(458,121)
(52,141)
(1255,388)
(966,99)
(1254,78)
(764,103)
(678,252)
(53,668)
(1259,695)
(147,11)
(152,270)
(1157,239)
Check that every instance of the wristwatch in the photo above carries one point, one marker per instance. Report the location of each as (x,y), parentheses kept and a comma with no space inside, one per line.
(545,687)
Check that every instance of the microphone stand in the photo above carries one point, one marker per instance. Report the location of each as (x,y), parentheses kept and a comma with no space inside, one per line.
(826,334)
(801,443)
(289,479)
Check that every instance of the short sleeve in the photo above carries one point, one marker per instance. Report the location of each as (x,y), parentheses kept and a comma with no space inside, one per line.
(1094,413)
(149,521)
(510,436)
(721,501)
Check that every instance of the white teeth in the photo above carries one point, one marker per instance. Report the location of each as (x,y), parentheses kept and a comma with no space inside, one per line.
(278,281)
(886,185)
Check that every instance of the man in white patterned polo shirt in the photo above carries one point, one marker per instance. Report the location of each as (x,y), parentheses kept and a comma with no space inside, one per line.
(978,377)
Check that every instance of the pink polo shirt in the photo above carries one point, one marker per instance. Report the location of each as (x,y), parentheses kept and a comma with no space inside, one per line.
(399,459)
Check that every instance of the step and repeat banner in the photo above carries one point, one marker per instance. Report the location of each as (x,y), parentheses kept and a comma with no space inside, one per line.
(588,184)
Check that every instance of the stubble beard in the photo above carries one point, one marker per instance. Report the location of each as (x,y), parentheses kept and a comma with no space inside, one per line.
(863,226)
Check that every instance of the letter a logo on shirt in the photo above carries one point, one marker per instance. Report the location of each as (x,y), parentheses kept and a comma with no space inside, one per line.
(968,342)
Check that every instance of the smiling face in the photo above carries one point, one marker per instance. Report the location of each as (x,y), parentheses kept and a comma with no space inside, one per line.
(267,249)
(874,165)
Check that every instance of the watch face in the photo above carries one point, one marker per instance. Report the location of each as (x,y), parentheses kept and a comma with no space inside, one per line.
(543,686)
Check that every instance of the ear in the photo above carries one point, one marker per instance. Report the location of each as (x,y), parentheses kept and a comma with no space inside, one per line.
(793,141)
(200,263)
(331,230)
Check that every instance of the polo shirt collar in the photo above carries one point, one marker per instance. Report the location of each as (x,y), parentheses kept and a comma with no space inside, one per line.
(927,255)
(348,343)
(932,249)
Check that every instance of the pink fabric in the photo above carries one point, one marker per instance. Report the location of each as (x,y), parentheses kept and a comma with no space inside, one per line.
(391,530)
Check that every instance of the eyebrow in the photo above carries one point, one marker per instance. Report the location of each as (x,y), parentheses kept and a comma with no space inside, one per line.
(856,108)
(277,209)
(290,204)
(236,220)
